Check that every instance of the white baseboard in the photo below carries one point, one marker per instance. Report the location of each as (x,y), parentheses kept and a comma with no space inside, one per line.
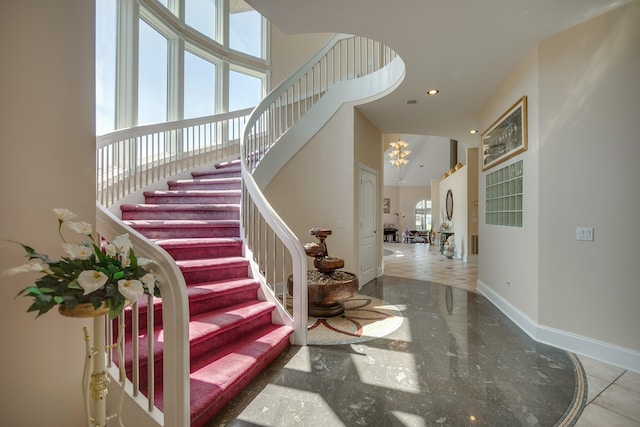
(599,350)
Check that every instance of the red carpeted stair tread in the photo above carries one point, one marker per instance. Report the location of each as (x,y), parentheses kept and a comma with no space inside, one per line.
(231,332)
(202,327)
(222,374)
(205,247)
(184,211)
(207,184)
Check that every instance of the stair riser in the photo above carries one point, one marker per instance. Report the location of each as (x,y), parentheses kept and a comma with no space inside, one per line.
(215,274)
(210,304)
(241,383)
(213,199)
(212,251)
(227,214)
(206,346)
(184,186)
(218,341)
(184,233)
(218,173)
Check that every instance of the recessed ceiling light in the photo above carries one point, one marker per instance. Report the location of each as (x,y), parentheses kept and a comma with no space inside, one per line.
(433,92)
(472,131)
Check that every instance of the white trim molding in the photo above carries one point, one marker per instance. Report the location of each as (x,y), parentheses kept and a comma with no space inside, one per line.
(599,350)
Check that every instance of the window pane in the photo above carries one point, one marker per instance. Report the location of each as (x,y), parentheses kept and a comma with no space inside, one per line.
(152,76)
(201,15)
(245,29)
(199,86)
(244,91)
(105,66)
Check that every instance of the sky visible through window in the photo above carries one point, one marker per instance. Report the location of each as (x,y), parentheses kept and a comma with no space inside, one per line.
(200,75)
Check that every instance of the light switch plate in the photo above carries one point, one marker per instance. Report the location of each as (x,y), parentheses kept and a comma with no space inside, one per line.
(584,233)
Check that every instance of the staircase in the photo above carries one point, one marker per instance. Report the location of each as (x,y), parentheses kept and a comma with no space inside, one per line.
(231,334)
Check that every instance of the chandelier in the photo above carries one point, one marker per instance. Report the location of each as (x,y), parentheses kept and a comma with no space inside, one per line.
(399,154)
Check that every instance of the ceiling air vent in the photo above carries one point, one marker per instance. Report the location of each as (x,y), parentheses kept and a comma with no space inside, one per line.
(412,101)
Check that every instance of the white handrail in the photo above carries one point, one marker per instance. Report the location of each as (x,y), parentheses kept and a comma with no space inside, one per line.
(175,312)
(342,58)
(129,160)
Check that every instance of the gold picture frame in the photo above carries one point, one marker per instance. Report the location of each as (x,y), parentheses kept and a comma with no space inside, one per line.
(506,137)
(386,205)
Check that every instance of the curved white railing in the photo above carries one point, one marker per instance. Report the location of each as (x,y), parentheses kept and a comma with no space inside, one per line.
(175,312)
(127,161)
(276,251)
(133,159)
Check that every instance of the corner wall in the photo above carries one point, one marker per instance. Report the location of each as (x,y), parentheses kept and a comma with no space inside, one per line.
(509,255)
(580,171)
(589,154)
(47,132)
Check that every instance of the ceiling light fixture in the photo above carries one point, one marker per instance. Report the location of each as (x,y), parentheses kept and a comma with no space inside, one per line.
(433,92)
(473,131)
(399,154)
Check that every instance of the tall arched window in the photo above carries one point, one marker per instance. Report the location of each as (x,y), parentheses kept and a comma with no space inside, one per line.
(211,59)
(422,215)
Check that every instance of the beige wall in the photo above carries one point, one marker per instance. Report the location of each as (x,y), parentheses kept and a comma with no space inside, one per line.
(289,52)
(457,183)
(589,153)
(403,200)
(509,255)
(314,188)
(47,132)
(583,88)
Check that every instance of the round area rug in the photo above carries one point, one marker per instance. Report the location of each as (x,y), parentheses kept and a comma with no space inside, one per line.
(364,319)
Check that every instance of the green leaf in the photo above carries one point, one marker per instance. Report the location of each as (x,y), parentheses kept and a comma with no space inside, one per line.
(32,290)
(58,300)
(119,275)
(74,284)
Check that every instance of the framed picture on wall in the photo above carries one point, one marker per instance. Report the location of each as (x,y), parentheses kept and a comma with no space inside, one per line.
(507,136)
(386,205)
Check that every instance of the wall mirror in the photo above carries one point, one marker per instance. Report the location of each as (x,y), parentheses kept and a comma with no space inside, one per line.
(449,204)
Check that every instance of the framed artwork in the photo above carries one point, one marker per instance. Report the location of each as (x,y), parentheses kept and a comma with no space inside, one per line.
(386,205)
(506,137)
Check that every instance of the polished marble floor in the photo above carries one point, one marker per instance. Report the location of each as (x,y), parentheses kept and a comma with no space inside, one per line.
(455,361)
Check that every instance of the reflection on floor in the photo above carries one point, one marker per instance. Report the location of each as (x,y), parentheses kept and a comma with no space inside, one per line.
(614,393)
(456,360)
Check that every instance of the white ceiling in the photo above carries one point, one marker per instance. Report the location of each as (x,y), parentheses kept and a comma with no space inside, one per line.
(464,48)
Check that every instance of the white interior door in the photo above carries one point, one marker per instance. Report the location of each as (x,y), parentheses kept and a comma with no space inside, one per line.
(368,225)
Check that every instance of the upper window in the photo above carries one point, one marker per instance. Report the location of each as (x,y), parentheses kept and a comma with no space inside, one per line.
(106,66)
(177,73)
(199,86)
(152,76)
(201,15)
(245,29)
(244,90)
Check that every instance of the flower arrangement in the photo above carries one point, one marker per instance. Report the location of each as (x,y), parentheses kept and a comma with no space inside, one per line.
(109,273)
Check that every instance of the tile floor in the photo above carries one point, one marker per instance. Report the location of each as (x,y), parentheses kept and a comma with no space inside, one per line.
(613,393)
(406,378)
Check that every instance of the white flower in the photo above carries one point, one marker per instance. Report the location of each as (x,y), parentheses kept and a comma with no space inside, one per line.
(125,262)
(144,261)
(123,244)
(80,227)
(91,280)
(33,265)
(110,250)
(149,281)
(77,251)
(64,214)
(130,289)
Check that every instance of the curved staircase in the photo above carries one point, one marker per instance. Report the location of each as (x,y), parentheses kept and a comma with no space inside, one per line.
(231,333)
